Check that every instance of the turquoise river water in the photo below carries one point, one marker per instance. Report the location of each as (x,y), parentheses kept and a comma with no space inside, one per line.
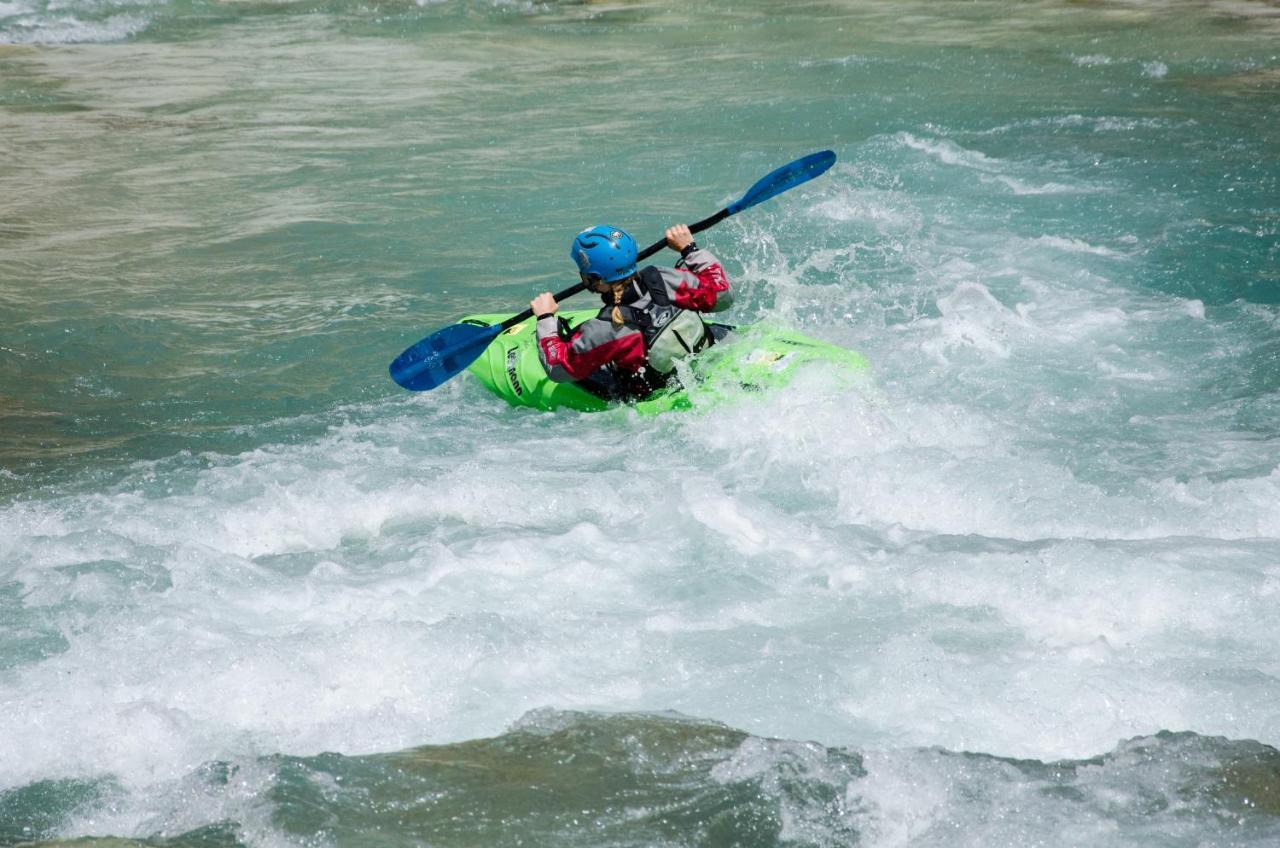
(1022,587)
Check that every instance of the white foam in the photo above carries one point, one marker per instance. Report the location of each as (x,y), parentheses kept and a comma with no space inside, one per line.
(68,29)
(950,153)
(886,211)
(389,585)
(13,10)
(972,318)
(1097,124)
(1028,181)
(1077,246)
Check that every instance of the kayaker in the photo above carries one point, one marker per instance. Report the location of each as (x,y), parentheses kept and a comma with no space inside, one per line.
(650,318)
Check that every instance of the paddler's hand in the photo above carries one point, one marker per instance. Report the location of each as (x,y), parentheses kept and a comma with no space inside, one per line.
(543,304)
(679,237)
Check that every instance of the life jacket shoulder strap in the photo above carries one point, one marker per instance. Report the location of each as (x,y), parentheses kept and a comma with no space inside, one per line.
(651,282)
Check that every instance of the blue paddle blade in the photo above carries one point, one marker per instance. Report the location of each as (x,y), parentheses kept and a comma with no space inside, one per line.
(787,177)
(441,355)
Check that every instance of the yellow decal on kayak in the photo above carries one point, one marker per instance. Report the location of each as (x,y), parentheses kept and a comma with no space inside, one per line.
(776,361)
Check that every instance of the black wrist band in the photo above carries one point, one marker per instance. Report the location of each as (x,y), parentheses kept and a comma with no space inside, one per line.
(546,315)
(688,248)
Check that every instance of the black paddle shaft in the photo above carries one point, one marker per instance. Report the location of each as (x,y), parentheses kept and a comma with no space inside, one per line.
(705,223)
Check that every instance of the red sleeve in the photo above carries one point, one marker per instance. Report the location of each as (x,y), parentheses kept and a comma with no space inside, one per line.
(712,282)
(564,363)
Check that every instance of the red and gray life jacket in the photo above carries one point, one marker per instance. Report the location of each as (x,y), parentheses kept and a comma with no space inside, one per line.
(661,325)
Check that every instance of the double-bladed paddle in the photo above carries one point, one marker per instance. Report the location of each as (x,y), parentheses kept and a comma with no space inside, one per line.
(445,353)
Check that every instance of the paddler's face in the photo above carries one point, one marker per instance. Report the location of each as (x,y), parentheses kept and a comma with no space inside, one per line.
(596,284)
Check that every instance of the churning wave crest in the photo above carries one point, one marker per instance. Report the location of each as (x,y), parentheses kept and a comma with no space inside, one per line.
(569,778)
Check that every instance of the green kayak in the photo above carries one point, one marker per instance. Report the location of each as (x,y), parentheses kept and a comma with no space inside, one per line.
(753,359)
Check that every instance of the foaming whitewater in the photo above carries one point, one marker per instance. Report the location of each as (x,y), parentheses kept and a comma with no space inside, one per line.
(614,777)
(908,571)
(43,22)
(1019,586)
(881,567)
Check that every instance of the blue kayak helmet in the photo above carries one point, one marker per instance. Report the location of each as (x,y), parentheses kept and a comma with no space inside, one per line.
(604,252)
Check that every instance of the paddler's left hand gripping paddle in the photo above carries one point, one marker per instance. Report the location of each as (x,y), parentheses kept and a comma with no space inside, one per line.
(447,352)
